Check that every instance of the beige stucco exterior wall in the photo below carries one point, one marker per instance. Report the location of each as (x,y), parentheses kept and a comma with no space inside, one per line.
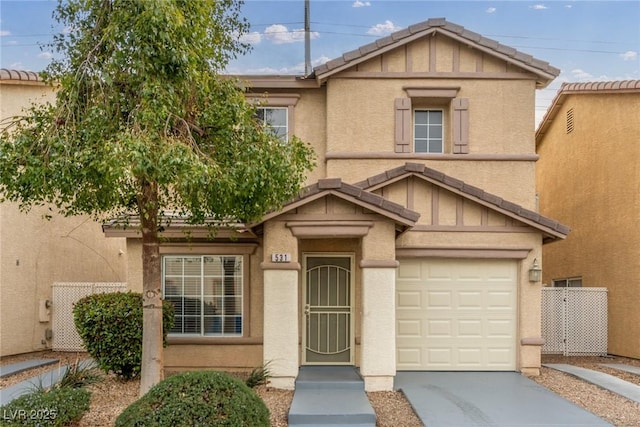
(589,179)
(35,253)
(349,120)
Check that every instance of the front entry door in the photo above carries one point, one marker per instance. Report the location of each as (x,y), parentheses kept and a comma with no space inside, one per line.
(328,318)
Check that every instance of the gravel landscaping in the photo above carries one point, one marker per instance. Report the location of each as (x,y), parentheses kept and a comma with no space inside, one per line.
(111,396)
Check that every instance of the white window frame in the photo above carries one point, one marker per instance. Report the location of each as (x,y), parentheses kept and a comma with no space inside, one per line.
(442,125)
(285,136)
(222,318)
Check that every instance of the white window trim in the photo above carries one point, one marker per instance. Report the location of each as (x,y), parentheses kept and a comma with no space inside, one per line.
(443,130)
(244,297)
(286,118)
(272,100)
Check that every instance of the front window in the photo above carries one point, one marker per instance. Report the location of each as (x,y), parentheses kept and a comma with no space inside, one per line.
(428,131)
(206,292)
(275,118)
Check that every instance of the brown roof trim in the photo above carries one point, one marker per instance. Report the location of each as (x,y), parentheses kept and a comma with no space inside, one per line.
(542,69)
(552,228)
(357,195)
(610,87)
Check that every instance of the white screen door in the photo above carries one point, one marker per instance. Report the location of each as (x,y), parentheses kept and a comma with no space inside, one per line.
(328,318)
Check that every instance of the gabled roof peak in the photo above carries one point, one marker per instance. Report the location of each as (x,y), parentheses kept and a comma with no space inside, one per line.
(439,25)
(553,229)
(585,88)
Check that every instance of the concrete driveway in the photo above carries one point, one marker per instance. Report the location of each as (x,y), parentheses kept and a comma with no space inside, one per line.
(496,399)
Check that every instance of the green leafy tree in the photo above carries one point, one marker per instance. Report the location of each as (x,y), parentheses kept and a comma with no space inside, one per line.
(145,123)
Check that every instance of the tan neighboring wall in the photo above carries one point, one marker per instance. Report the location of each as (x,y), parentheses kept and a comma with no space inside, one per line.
(35,253)
(589,179)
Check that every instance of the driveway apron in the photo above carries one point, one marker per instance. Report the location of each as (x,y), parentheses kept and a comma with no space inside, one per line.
(495,399)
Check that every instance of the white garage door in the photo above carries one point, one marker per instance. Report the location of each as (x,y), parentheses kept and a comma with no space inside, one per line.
(456,315)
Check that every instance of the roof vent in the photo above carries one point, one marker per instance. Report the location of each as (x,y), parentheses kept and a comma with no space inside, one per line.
(570,120)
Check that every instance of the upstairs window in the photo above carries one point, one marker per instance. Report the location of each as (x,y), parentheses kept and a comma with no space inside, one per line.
(275,118)
(428,128)
(432,120)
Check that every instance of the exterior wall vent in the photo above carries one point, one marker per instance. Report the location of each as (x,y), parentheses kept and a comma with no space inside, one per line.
(570,120)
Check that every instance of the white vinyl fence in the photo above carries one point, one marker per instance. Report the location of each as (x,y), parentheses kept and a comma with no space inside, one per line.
(574,321)
(65,295)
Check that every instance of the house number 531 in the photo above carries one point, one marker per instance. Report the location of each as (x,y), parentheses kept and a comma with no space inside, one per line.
(278,257)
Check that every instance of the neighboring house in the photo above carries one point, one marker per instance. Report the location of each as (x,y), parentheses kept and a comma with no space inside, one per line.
(588,176)
(411,247)
(35,252)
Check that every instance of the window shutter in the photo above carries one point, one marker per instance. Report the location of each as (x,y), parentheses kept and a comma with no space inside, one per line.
(460,125)
(403,125)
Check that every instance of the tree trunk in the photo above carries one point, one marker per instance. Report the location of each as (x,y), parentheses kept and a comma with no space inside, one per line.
(152,349)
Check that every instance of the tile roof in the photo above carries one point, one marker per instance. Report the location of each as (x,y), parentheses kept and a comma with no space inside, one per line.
(553,228)
(30,76)
(610,87)
(173,224)
(442,26)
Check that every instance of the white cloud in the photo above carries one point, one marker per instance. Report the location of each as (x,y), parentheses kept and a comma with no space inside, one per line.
(251,38)
(45,55)
(629,55)
(538,7)
(580,74)
(491,10)
(568,6)
(16,66)
(5,33)
(279,34)
(387,27)
(359,3)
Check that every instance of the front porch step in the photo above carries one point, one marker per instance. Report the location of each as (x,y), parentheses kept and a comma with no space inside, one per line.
(330,396)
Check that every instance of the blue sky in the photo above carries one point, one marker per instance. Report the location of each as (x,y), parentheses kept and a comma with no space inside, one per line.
(587,40)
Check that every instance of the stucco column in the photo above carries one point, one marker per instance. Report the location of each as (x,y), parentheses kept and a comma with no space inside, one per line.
(530,303)
(281,306)
(378,328)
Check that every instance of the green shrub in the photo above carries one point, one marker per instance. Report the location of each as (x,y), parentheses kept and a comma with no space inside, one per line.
(110,326)
(202,398)
(58,407)
(259,376)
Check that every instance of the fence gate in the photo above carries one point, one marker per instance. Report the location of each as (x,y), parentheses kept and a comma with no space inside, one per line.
(574,321)
(65,295)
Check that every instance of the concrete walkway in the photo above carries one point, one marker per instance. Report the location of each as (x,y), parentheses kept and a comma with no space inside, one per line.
(606,381)
(330,396)
(44,380)
(16,368)
(497,399)
(621,367)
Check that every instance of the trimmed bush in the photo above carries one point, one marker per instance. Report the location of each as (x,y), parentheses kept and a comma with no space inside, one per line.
(58,407)
(201,398)
(110,326)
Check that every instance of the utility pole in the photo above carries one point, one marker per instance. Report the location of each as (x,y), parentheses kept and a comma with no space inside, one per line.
(307,39)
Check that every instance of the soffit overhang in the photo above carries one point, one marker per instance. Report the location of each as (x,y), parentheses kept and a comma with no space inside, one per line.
(552,230)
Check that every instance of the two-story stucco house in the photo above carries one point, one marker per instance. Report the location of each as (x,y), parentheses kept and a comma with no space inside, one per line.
(35,252)
(410,249)
(588,176)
